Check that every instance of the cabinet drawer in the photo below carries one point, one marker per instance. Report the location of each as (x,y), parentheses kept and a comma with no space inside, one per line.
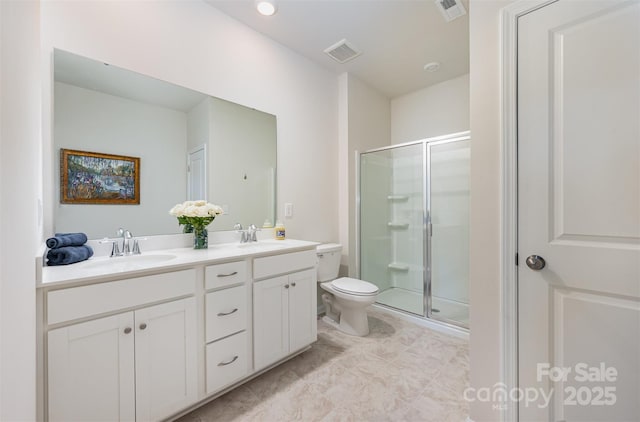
(226,312)
(221,275)
(227,361)
(281,264)
(79,302)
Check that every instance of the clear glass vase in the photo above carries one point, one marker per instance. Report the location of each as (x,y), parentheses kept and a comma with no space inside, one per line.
(200,238)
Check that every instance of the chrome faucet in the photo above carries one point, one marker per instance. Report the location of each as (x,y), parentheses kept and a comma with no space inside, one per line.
(248,235)
(127,237)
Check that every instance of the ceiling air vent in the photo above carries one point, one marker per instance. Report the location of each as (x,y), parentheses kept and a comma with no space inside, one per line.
(343,51)
(451,9)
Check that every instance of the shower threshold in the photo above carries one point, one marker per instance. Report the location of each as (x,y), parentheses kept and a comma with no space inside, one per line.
(413,302)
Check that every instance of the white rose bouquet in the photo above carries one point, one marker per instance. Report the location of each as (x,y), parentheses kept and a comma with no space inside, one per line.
(197,214)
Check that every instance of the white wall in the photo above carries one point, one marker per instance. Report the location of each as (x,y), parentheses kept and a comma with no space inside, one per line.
(93,121)
(20,186)
(194,45)
(368,124)
(485,43)
(433,111)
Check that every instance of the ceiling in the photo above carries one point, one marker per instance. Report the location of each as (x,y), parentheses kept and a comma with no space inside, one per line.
(397,37)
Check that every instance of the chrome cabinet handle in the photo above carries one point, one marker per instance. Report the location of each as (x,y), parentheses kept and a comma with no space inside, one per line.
(228,313)
(228,362)
(536,262)
(143,326)
(127,330)
(228,275)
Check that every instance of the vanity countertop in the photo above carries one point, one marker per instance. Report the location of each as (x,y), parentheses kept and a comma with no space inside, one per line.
(99,269)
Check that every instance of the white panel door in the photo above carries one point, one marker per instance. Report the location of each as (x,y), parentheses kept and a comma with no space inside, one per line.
(270,320)
(302,309)
(91,371)
(197,174)
(166,359)
(579,209)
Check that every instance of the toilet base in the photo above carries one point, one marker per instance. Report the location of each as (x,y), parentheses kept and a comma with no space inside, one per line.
(355,324)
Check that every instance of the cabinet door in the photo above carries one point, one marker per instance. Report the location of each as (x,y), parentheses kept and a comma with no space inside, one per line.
(91,371)
(270,320)
(166,359)
(302,309)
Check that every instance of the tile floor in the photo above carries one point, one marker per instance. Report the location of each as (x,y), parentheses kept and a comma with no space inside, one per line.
(400,372)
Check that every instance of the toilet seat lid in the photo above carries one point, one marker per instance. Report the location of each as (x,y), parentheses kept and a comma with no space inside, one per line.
(354,286)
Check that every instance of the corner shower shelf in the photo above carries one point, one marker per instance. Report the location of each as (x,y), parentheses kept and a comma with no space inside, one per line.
(398,198)
(396,225)
(397,266)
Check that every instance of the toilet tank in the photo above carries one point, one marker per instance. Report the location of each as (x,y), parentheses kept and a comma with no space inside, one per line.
(328,261)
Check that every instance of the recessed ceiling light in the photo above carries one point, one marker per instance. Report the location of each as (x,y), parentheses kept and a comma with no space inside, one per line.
(266,7)
(432,67)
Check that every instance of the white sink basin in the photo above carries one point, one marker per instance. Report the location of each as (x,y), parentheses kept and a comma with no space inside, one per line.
(123,263)
(262,245)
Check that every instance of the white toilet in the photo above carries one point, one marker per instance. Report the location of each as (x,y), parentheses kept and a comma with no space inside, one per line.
(347,298)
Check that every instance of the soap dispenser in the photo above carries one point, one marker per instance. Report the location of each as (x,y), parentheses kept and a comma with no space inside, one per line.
(279,230)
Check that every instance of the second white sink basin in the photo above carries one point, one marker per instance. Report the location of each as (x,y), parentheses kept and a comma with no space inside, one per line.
(262,245)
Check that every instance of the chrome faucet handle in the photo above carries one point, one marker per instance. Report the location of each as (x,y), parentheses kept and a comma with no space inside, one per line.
(244,236)
(136,245)
(115,250)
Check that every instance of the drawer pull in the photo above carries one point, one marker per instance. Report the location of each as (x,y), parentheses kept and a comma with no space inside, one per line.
(227,275)
(127,330)
(228,313)
(229,362)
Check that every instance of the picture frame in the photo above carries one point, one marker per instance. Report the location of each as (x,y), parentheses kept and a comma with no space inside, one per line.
(97,178)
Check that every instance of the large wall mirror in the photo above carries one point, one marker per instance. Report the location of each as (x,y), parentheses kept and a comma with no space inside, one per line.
(190,145)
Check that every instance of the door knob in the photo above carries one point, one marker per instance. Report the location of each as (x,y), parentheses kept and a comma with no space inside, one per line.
(536,262)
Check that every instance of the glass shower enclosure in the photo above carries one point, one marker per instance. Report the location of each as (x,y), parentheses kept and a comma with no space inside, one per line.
(413,240)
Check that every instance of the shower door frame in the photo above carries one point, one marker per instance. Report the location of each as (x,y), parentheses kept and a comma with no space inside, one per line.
(427,143)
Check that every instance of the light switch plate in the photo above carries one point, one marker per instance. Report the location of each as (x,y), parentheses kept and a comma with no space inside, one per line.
(288,210)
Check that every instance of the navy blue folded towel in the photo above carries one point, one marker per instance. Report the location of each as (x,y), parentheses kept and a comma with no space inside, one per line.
(68,255)
(66,239)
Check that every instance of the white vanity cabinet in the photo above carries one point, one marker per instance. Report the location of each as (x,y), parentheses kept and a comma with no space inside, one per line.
(135,365)
(152,343)
(284,316)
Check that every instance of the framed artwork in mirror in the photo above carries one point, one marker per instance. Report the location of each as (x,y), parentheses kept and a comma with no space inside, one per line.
(96,178)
